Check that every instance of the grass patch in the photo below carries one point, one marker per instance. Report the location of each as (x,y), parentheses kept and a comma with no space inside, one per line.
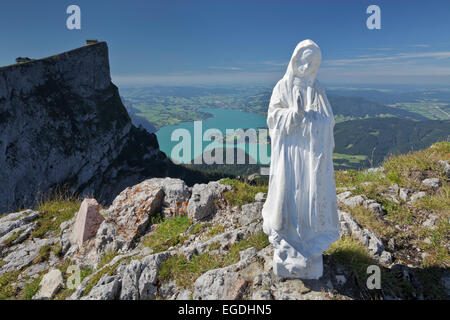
(85,271)
(438,253)
(31,288)
(242,193)
(430,278)
(214,246)
(44,254)
(353,178)
(54,211)
(7,291)
(200,227)
(438,202)
(109,270)
(349,252)
(352,254)
(368,219)
(215,230)
(107,258)
(168,234)
(57,249)
(400,168)
(13,237)
(185,272)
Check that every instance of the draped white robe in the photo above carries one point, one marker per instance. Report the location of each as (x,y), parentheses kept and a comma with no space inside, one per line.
(300,213)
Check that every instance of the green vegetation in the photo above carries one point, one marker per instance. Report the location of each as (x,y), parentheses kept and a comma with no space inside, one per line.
(31,288)
(85,271)
(407,171)
(200,227)
(345,161)
(7,291)
(185,272)
(429,108)
(44,254)
(214,246)
(55,210)
(352,254)
(13,237)
(57,249)
(107,258)
(242,192)
(215,230)
(168,234)
(395,136)
(108,270)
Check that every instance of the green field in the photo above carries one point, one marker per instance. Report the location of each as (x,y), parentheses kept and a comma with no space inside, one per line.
(346,161)
(432,109)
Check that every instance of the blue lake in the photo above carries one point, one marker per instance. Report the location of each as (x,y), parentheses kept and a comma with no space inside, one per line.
(222,120)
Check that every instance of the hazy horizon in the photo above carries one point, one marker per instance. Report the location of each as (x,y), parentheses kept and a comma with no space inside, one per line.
(240,42)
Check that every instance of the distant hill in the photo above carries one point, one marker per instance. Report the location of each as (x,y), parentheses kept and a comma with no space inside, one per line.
(384,136)
(359,108)
(344,107)
(228,169)
(136,119)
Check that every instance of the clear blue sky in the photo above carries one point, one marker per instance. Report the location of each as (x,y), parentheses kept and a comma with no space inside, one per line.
(242,41)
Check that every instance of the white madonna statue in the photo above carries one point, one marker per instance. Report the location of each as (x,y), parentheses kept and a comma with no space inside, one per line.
(300,213)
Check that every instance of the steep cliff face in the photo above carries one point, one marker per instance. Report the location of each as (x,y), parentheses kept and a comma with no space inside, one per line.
(62,122)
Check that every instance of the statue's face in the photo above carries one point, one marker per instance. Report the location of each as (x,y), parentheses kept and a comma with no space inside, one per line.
(308,63)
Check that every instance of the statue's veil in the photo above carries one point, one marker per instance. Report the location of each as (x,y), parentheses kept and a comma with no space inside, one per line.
(302,46)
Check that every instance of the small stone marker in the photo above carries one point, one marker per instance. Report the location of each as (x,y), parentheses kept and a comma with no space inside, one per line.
(87,221)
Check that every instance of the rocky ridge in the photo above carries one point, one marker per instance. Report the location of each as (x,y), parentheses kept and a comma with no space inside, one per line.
(162,239)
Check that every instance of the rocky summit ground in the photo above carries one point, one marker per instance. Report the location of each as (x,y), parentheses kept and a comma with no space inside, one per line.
(161,239)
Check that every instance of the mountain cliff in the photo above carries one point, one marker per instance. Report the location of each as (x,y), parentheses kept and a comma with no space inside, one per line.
(62,122)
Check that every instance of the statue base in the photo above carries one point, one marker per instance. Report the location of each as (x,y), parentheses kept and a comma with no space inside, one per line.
(297,267)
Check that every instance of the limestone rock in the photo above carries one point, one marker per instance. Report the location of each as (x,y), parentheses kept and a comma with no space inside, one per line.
(129,216)
(344,195)
(289,290)
(16,220)
(201,203)
(130,281)
(176,196)
(446,166)
(149,275)
(184,295)
(375,170)
(24,254)
(168,290)
(261,197)
(251,212)
(393,192)
(431,221)
(418,195)
(404,194)
(385,257)
(262,295)
(374,207)
(87,221)
(433,183)
(224,283)
(108,288)
(354,201)
(50,284)
(349,226)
